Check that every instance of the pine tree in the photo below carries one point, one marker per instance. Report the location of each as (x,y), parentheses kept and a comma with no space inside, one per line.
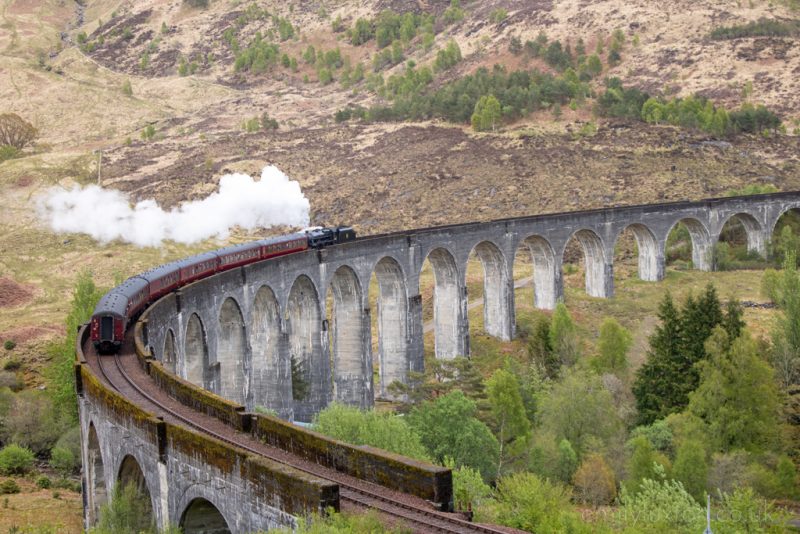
(655,387)
(540,351)
(563,336)
(698,319)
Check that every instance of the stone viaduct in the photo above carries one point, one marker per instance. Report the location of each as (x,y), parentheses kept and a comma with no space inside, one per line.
(237,333)
(232,340)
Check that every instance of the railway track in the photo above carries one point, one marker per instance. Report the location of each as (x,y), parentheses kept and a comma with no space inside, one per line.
(419,518)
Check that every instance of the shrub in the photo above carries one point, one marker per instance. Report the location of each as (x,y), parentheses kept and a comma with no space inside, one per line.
(763,27)
(148,133)
(743,511)
(8,152)
(127,90)
(528,502)
(13,364)
(32,422)
(9,486)
(15,460)
(16,131)
(128,512)
(43,482)
(63,461)
(196,3)
(469,489)
(594,481)
(498,15)
(661,505)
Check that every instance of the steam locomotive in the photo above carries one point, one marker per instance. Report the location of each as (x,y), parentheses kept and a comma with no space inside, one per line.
(122,304)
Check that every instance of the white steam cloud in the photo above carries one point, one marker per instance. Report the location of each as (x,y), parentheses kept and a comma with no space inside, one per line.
(241,201)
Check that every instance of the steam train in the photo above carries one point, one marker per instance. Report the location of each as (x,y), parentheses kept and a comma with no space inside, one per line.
(121,305)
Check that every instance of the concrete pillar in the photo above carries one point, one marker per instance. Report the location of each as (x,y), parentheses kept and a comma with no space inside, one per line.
(415,344)
(497,321)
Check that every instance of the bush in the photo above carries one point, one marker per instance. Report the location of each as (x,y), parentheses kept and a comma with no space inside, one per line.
(43,482)
(63,461)
(763,27)
(128,513)
(12,364)
(9,486)
(528,502)
(15,460)
(9,345)
(8,152)
(196,3)
(594,482)
(15,131)
(32,422)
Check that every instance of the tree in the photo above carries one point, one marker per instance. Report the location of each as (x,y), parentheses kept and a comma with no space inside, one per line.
(540,350)
(527,502)
(563,336)
(469,489)
(643,464)
(691,469)
(61,372)
(594,481)
(16,131)
(487,113)
(511,424)
(567,461)
(656,387)
(447,427)
(382,430)
(738,398)
(612,347)
(579,409)
(786,331)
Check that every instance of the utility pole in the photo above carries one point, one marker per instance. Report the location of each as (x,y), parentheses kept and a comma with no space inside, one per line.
(99,161)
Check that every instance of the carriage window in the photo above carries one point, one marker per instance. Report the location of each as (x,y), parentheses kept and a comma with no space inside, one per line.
(106,327)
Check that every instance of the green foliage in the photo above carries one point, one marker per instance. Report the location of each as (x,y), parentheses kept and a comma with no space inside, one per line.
(448,57)
(691,469)
(381,430)
(738,398)
(528,502)
(127,90)
(258,57)
(43,482)
(659,434)
(563,336)
(63,461)
(644,463)
(268,123)
(301,384)
(618,101)
(310,55)
(285,28)
(742,511)
(9,487)
(9,344)
(663,383)
(567,462)
(342,523)
(487,114)
(541,351)
(15,460)
(8,152)
(763,27)
(448,427)
(498,15)
(612,347)
(660,506)
(751,189)
(196,3)
(454,13)
(129,512)
(469,489)
(32,421)
(325,76)
(594,482)
(509,419)
(251,125)
(519,93)
(148,133)
(580,410)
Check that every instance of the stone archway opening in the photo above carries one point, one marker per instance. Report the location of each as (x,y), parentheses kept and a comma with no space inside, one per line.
(636,254)
(388,299)
(584,263)
(310,377)
(535,273)
(488,286)
(196,353)
(168,357)
(785,236)
(95,477)
(232,360)
(202,517)
(133,485)
(741,243)
(689,246)
(441,303)
(347,329)
(270,371)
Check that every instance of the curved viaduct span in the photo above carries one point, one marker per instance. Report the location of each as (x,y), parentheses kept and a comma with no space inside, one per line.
(174,412)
